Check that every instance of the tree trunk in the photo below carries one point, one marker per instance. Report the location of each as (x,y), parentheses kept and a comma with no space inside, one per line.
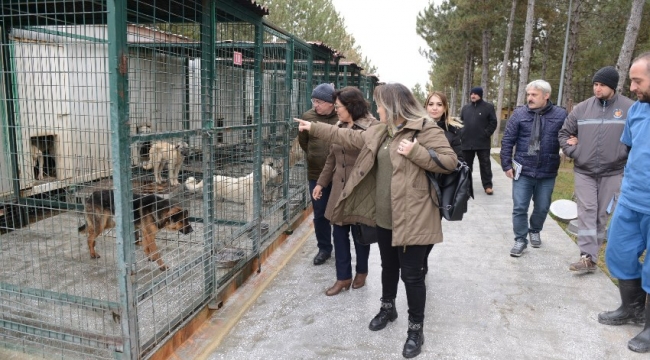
(466,76)
(486,62)
(528,45)
(547,42)
(454,98)
(631,33)
(502,73)
(571,53)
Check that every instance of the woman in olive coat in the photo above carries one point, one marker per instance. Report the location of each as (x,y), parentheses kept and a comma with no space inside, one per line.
(388,188)
(353,113)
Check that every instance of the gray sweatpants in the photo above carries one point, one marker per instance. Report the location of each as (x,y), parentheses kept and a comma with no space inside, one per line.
(596,198)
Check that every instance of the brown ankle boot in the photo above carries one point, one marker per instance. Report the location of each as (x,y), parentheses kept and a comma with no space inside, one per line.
(338,286)
(359,280)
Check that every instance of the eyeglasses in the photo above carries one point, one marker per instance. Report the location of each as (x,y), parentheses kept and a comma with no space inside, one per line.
(317,102)
(336,106)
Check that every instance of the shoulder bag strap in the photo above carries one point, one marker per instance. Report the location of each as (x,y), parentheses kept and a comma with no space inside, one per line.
(433,154)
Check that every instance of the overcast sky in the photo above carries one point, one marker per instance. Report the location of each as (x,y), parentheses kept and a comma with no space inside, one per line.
(385,30)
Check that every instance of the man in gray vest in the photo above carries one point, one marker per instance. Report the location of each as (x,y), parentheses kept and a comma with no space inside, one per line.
(591,136)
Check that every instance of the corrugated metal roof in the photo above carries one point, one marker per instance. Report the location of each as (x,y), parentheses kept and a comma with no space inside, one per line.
(87,12)
(252,5)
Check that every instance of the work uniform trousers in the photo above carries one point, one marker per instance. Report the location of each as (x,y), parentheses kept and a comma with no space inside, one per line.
(596,198)
(629,233)
(410,260)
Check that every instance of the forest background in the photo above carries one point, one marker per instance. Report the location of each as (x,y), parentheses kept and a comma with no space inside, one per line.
(499,45)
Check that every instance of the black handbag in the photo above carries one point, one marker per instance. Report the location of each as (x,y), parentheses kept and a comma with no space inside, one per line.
(453,190)
(364,234)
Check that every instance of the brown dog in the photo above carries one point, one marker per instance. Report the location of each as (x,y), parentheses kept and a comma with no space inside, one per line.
(151,213)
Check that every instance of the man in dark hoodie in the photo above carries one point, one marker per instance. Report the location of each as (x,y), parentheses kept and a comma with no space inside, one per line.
(591,135)
(479,121)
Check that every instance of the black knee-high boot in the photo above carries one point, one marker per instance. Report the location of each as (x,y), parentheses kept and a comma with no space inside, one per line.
(633,299)
(641,342)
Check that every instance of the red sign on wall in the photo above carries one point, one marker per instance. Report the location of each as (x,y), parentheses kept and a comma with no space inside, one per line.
(237,58)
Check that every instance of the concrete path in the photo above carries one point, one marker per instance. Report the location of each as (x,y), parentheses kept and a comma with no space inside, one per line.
(481,302)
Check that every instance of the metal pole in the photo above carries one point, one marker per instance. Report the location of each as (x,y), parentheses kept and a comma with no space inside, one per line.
(566,45)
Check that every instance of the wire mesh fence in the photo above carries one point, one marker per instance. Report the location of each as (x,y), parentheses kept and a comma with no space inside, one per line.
(148,155)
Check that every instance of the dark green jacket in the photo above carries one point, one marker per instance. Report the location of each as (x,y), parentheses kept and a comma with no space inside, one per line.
(315,149)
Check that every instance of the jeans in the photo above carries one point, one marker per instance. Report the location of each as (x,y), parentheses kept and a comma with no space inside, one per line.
(410,260)
(322,226)
(484,165)
(343,256)
(540,190)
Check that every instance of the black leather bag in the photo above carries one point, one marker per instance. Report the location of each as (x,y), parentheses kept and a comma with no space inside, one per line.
(364,234)
(453,190)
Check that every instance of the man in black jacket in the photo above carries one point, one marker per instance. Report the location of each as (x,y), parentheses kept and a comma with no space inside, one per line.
(480,122)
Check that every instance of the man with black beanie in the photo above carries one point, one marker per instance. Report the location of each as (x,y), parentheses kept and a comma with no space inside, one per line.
(479,123)
(591,135)
(316,151)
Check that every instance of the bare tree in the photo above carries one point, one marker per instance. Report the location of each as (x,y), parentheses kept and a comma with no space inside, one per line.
(547,42)
(571,53)
(631,33)
(502,72)
(486,61)
(467,78)
(528,45)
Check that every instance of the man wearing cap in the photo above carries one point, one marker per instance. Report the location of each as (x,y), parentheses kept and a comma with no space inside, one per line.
(591,136)
(479,121)
(316,151)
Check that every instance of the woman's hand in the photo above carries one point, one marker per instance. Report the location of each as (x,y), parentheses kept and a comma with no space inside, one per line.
(302,124)
(405,146)
(317,193)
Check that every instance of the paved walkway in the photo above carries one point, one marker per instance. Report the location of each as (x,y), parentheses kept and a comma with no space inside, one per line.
(481,302)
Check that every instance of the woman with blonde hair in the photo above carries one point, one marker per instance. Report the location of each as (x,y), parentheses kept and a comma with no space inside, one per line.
(388,188)
(437,107)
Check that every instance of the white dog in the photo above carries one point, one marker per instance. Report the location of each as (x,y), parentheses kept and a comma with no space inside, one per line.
(295,153)
(162,153)
(37,158)
(236,189)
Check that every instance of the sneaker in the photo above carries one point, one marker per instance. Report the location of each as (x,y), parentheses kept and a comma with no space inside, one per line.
(518,249)
(535,239)
(489,191)
(585,264)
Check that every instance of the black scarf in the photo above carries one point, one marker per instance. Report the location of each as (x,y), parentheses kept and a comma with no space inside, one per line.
(536,131)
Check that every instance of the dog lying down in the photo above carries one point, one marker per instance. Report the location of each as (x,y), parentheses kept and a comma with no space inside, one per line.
(161,153)
(238,189)
(151,213)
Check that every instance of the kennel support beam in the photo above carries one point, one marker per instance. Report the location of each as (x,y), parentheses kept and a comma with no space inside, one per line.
(58,298)
(119,143)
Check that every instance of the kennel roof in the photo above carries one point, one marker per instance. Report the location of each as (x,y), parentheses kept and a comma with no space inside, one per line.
(19,13)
